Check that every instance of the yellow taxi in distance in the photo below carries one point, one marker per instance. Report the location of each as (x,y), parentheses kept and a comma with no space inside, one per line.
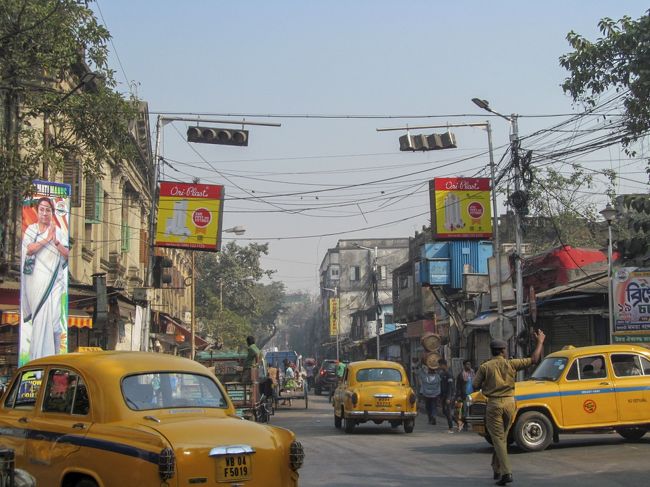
(374,390)
(604,387)
(104,419)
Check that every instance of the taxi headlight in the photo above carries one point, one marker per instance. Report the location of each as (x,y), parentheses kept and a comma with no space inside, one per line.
(296,455)
(166,462)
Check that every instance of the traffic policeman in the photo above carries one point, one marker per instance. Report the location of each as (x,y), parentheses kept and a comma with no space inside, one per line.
(496,379)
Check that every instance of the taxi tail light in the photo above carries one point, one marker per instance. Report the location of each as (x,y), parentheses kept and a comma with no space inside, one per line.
(323,372)
(354,398)
(296,455)
(412,398)
(166,462)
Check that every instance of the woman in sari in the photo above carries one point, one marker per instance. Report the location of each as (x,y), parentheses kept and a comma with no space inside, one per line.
(45,251)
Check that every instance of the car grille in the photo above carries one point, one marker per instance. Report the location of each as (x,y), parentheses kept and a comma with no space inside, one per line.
(477,409)
(296,455)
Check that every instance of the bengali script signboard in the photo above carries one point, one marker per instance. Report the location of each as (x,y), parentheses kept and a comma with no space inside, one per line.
(631,305)
(460,208)
(189,216)
(334,316)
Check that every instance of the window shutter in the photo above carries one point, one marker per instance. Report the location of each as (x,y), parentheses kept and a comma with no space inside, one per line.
(72,176)
(126,237)
(144,244)
(89,204)
(99,202)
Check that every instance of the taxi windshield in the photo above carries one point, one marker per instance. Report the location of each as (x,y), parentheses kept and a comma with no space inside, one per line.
(379,375)
(550,369)
(162,390)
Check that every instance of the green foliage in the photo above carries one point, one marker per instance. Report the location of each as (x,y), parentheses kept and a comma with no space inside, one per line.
(619,61)
(248,306)
(44,48)
(560,205)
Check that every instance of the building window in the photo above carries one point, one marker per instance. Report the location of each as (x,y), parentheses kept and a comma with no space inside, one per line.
(72,175)
(334,272)
(355,273)
(126,229)
(403,282)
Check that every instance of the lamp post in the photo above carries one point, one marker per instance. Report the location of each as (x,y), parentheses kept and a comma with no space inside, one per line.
(609,214)
(375,289)
(336,295)
(514,148)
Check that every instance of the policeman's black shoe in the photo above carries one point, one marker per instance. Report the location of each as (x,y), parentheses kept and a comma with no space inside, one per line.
(496,476)
(505,479)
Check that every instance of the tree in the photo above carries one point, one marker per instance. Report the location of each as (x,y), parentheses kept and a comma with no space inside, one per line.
(230,295)
(618,61)
(46,47)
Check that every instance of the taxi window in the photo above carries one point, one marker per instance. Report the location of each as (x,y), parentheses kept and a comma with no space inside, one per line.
(550,369)
(162,390)
(379,375)
(65,392)
(626,365)
(592,367)
(645,365)
(25,390)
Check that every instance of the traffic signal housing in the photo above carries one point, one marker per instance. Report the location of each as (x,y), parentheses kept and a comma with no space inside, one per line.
(214,135)
(161,271)
(423,142)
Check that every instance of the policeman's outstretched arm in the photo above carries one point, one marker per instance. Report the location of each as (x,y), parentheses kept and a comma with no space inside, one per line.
(537,354)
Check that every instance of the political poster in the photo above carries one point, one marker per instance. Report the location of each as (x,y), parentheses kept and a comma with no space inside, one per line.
(631,291)
(44,272)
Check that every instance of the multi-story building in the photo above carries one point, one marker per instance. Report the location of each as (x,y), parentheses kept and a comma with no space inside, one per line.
(349,272)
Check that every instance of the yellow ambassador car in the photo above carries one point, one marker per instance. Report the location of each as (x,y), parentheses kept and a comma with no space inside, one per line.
(604,387)
(374,390)
(103,419)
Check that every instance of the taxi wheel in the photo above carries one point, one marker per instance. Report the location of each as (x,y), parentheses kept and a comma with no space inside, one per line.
(348,425)
(409,425)
(533,431)
(631,434)
(337,421)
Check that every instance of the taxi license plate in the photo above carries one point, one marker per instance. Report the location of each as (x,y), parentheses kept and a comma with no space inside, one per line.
(382,403)
(478,428)
(233,468)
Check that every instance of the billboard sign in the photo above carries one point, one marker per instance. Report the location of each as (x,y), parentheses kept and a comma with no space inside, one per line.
(44,272)
(631,304)
(334,316)
(460,208)
(189,216)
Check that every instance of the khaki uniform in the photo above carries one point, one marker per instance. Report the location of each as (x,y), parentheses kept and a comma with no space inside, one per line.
(496,379)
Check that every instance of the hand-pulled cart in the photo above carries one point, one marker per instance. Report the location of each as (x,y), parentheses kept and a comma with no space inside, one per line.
(253,400)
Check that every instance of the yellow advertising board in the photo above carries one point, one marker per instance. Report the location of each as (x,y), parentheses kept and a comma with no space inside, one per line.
(334,316)
(189,216)
(461,208)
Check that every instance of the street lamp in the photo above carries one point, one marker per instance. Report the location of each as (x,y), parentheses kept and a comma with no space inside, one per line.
(338,322)
(375,290)
(609,214)
(514,147)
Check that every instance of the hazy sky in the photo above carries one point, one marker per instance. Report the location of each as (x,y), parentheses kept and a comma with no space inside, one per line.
(315,180)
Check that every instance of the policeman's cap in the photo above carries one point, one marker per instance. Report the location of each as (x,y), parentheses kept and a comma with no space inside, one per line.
(498,344)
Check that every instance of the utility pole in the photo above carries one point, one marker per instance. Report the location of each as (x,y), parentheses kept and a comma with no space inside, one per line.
(376,295)
(495,223)
(192,310)
(514,150)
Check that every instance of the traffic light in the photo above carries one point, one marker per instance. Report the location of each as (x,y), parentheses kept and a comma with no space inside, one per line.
(214,135)
(160,271)
(423,142)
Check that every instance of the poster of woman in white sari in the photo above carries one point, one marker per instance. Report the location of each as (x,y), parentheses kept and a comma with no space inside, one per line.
(44,273)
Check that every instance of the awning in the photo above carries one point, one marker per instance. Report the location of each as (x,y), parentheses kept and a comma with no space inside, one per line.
(486,319)
(80,319)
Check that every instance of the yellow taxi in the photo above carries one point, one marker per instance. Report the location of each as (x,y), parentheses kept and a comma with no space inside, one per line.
(103,419)
(374,390)
(605,387)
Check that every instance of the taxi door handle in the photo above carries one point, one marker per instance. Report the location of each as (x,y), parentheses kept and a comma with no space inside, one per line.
(79,426)
(23,420)
(604,384)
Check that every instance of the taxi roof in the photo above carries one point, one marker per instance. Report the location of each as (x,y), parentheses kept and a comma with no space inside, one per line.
(374,363)
(119,363)
(570,352)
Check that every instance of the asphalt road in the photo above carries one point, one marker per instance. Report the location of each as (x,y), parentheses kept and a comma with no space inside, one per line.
(376,455)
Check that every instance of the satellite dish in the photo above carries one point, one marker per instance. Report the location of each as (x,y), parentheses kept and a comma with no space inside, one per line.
(501,329)
(507,329)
